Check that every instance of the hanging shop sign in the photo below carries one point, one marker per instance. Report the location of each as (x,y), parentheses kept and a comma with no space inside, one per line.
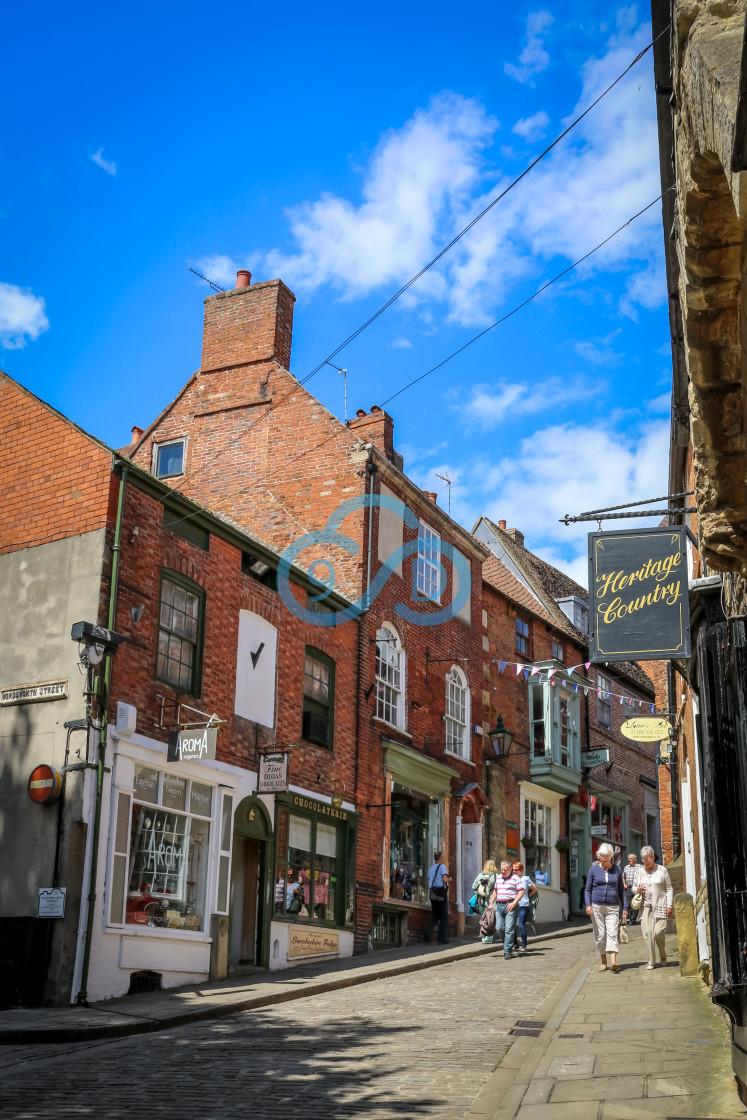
(197,745)
(594,758)
(33,693)
(638,595)
(512,838)
(646,730)
(51,902)
(273,772)
(45,785)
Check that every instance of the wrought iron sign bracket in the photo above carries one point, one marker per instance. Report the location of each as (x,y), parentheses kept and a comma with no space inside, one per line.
(608,514)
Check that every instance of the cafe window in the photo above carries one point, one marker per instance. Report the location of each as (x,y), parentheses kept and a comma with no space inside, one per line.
(318,697)
(456,717)
(315,867)
(604,701)
(180,626)
(538,855)
(389,677)
(168,852)
(417,827)
(523,637)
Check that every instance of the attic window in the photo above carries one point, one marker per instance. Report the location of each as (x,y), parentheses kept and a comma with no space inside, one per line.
(168,458)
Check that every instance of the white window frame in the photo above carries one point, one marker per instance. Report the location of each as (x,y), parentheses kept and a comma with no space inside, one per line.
(169,443)
(456,680)
(528,791)
(223,815)
(384,682)
(552,699)
(428,575)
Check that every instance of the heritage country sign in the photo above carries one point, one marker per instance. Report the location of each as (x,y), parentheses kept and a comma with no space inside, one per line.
(638,595)
(192,746)
(273,772)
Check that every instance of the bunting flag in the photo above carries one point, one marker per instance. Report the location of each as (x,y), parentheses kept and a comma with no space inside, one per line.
(547,674)
(519,667)
(501,666)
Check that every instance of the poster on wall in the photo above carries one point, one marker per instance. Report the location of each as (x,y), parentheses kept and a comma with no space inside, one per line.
(638,601)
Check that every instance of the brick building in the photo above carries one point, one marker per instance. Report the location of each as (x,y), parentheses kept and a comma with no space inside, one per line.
(245,438)
(192,870)
(558,706)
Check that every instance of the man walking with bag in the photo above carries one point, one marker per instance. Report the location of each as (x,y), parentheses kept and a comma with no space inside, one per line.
(505,899)
(630,874)
(438,886)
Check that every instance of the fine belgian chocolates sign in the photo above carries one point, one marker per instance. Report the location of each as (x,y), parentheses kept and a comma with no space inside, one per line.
(638,595)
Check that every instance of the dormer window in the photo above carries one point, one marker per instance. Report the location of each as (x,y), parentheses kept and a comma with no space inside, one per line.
(168,458)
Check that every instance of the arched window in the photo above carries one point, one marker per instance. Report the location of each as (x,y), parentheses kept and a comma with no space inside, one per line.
(389,677)
(456,718)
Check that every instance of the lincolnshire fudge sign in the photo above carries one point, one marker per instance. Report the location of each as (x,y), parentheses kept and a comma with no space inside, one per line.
(638,595)
(312,942)
(192,746)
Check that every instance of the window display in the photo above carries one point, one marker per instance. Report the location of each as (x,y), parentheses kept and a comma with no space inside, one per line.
(169,844)
(417,829)
(312,857)
(538,849)
(613,818)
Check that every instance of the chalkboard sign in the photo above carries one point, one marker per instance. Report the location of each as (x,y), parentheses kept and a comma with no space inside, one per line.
(638,597)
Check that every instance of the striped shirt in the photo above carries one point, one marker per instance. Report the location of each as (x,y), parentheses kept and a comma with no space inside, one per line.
(507,889)
(629,874)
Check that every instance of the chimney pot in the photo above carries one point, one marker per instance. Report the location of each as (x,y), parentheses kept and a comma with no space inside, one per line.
(136,433)
(360,412)
(243,278)
(376,408)
(502,525)
(433,497)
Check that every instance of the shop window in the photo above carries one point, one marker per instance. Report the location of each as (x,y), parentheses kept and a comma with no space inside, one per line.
(416,833)
(428,580)
(169,834)
(315,877)
(318,697)
(181,618)
(612,817)
(538,858)
(456,719)
(604,701)
(554,721)
(389,677)
(168,458)
(557,651)
(523,637)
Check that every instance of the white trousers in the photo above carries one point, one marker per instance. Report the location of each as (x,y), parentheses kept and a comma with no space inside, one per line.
(654,931)
(605,922)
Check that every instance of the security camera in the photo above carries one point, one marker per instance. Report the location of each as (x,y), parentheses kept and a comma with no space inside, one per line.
(96,642)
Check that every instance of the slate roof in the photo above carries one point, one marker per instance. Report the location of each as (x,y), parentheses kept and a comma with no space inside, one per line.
(550,584)
(498,576)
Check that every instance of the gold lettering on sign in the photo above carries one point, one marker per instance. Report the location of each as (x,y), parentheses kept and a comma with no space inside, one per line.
(610,583)
(312,942)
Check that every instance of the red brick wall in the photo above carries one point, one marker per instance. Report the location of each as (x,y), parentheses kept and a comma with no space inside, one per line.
(252,324)
(56,481)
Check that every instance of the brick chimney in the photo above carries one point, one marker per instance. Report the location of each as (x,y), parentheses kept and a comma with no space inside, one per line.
(376,427)
(252,323)
(517,536)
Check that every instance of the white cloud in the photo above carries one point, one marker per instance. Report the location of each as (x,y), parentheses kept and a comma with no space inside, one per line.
(429,178)
(219,268)
(532,128)
(107,165)
(488,407)
(533,58)
(599,351)
(402,344)
(21,316)
(661,404)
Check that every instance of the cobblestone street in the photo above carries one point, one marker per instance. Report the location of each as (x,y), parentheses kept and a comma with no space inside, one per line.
(417,1045)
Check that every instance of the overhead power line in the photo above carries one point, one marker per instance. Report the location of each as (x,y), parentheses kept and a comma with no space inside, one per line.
(413,280)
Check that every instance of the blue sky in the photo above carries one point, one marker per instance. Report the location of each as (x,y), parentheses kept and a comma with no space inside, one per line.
(340,149)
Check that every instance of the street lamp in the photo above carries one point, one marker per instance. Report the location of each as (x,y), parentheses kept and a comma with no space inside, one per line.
(501,739)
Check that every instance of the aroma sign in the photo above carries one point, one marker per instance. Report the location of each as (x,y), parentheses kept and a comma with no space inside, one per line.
(192,746)
(638,595)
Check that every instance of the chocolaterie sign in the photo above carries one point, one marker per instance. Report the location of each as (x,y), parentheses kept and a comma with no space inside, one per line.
(638,603)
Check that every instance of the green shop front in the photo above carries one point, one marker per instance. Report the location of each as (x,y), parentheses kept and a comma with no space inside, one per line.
(313,908)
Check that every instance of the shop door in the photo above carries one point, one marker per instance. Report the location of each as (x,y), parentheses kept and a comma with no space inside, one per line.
(246,880)
(580,860)
(471,860)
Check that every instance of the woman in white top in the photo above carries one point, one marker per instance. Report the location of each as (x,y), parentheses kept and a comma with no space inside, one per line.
(653,882)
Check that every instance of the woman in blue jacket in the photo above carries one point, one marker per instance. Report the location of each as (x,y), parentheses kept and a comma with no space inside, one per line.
(604,895)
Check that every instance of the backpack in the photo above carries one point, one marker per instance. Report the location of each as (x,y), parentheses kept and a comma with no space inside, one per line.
(483,887)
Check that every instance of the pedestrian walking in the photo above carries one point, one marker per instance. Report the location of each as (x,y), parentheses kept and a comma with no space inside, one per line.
(504,900)
(525,906)
(629,876)
(605,891)
(438,893)
(482,889)
(654,886)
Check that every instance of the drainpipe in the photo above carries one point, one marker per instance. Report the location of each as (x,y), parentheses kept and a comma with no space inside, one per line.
(371,470)
(82,997)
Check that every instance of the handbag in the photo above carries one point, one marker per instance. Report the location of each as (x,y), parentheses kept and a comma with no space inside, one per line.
(623,935)
(487,922)
(473,907)
(437,894)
